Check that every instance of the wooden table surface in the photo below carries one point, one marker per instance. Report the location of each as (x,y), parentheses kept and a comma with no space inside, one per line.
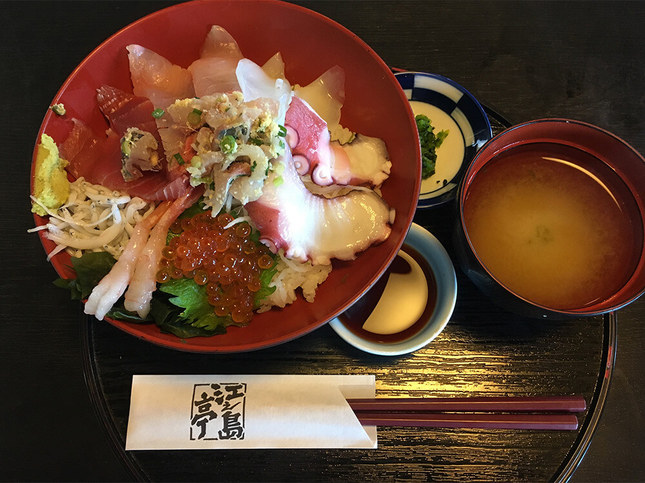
(66,379)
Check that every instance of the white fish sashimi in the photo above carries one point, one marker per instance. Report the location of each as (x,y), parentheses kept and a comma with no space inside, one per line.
(274,67)
(326,95)
(158,79)
(214,71)
(255,83)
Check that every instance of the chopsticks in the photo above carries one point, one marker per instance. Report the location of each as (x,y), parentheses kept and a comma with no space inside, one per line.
(544,413)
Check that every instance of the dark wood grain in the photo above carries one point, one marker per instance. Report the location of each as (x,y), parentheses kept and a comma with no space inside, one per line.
(525,59)
(483,351)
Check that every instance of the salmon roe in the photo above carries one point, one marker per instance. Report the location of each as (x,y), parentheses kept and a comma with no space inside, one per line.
(225,261)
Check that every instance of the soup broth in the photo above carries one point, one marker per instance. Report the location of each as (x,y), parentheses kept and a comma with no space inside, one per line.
(552,224)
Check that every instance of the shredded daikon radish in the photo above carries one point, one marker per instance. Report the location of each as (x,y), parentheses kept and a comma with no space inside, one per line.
(94,218)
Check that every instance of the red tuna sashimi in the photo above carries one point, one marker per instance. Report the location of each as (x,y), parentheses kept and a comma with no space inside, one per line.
(98,160)
(214,71)
(158,79)
(124,110)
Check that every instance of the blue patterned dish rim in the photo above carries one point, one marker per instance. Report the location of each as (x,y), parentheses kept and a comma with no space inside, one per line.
(467,113)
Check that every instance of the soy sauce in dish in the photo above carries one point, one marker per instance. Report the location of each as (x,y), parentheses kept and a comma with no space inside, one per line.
(399,304)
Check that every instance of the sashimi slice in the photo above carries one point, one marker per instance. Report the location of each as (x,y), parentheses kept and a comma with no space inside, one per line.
(363,161)
(312,227)
(124,110)
(274,67)
(143,283)
(326,95)
(158,79)
(308,137)
(256,84)
(214,71)
(98,160)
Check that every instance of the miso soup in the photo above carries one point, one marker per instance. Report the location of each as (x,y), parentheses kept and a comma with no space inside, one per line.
(552,224)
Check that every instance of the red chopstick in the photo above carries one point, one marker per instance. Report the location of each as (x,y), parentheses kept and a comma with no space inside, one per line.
(480,420)
(570,404)
(549,412)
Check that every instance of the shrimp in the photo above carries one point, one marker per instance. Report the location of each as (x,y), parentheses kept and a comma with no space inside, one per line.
(143,284)
(112,286)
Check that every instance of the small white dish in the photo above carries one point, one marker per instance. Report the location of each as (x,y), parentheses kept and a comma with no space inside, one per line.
(427,325)
(449,106)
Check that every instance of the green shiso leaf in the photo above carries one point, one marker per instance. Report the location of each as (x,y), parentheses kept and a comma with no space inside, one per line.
(194,300)
(90,269)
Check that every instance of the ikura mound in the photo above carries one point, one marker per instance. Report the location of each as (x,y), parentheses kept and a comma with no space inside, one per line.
(555,221)
(231,194)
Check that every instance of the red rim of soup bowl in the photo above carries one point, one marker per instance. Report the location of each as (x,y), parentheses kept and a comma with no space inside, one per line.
(627,164)
(368,78)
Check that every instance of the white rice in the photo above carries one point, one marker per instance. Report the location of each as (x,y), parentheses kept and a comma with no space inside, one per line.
(291,276)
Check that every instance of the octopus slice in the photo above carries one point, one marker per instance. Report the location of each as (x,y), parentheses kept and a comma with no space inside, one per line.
(312,227)
(363,161)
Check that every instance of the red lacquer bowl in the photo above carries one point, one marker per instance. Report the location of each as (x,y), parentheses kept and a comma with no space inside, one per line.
(618,167)
(310,44)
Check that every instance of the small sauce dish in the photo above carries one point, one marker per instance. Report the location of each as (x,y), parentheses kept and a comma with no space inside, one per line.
(449,107)
(409,305)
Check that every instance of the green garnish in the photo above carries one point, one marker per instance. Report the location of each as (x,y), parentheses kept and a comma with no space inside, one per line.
(194,300)
(58,109)
(228,145)
(158,113)
(195,117)
(179,307)
(179,159)
(282,131)
(429,144)
(90,269)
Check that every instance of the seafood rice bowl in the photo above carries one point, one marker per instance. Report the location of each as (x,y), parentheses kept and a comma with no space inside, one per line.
(231,191)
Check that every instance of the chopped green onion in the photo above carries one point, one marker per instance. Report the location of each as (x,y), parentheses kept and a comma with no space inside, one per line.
(278,181)
(195,117)
(228,145)
(158,113)
(179,159)
(256,141)
(196,161)
(283,131)
(430,142)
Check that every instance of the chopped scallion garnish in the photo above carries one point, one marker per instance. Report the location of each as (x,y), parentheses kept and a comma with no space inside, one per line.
(195,117)
(228,145)
(158,113)
(179,159)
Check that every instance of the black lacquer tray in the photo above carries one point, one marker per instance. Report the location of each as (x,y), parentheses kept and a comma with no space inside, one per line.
(484,350)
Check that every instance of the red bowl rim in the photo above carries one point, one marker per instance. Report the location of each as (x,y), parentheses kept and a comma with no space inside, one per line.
(176,343)
(597,308)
